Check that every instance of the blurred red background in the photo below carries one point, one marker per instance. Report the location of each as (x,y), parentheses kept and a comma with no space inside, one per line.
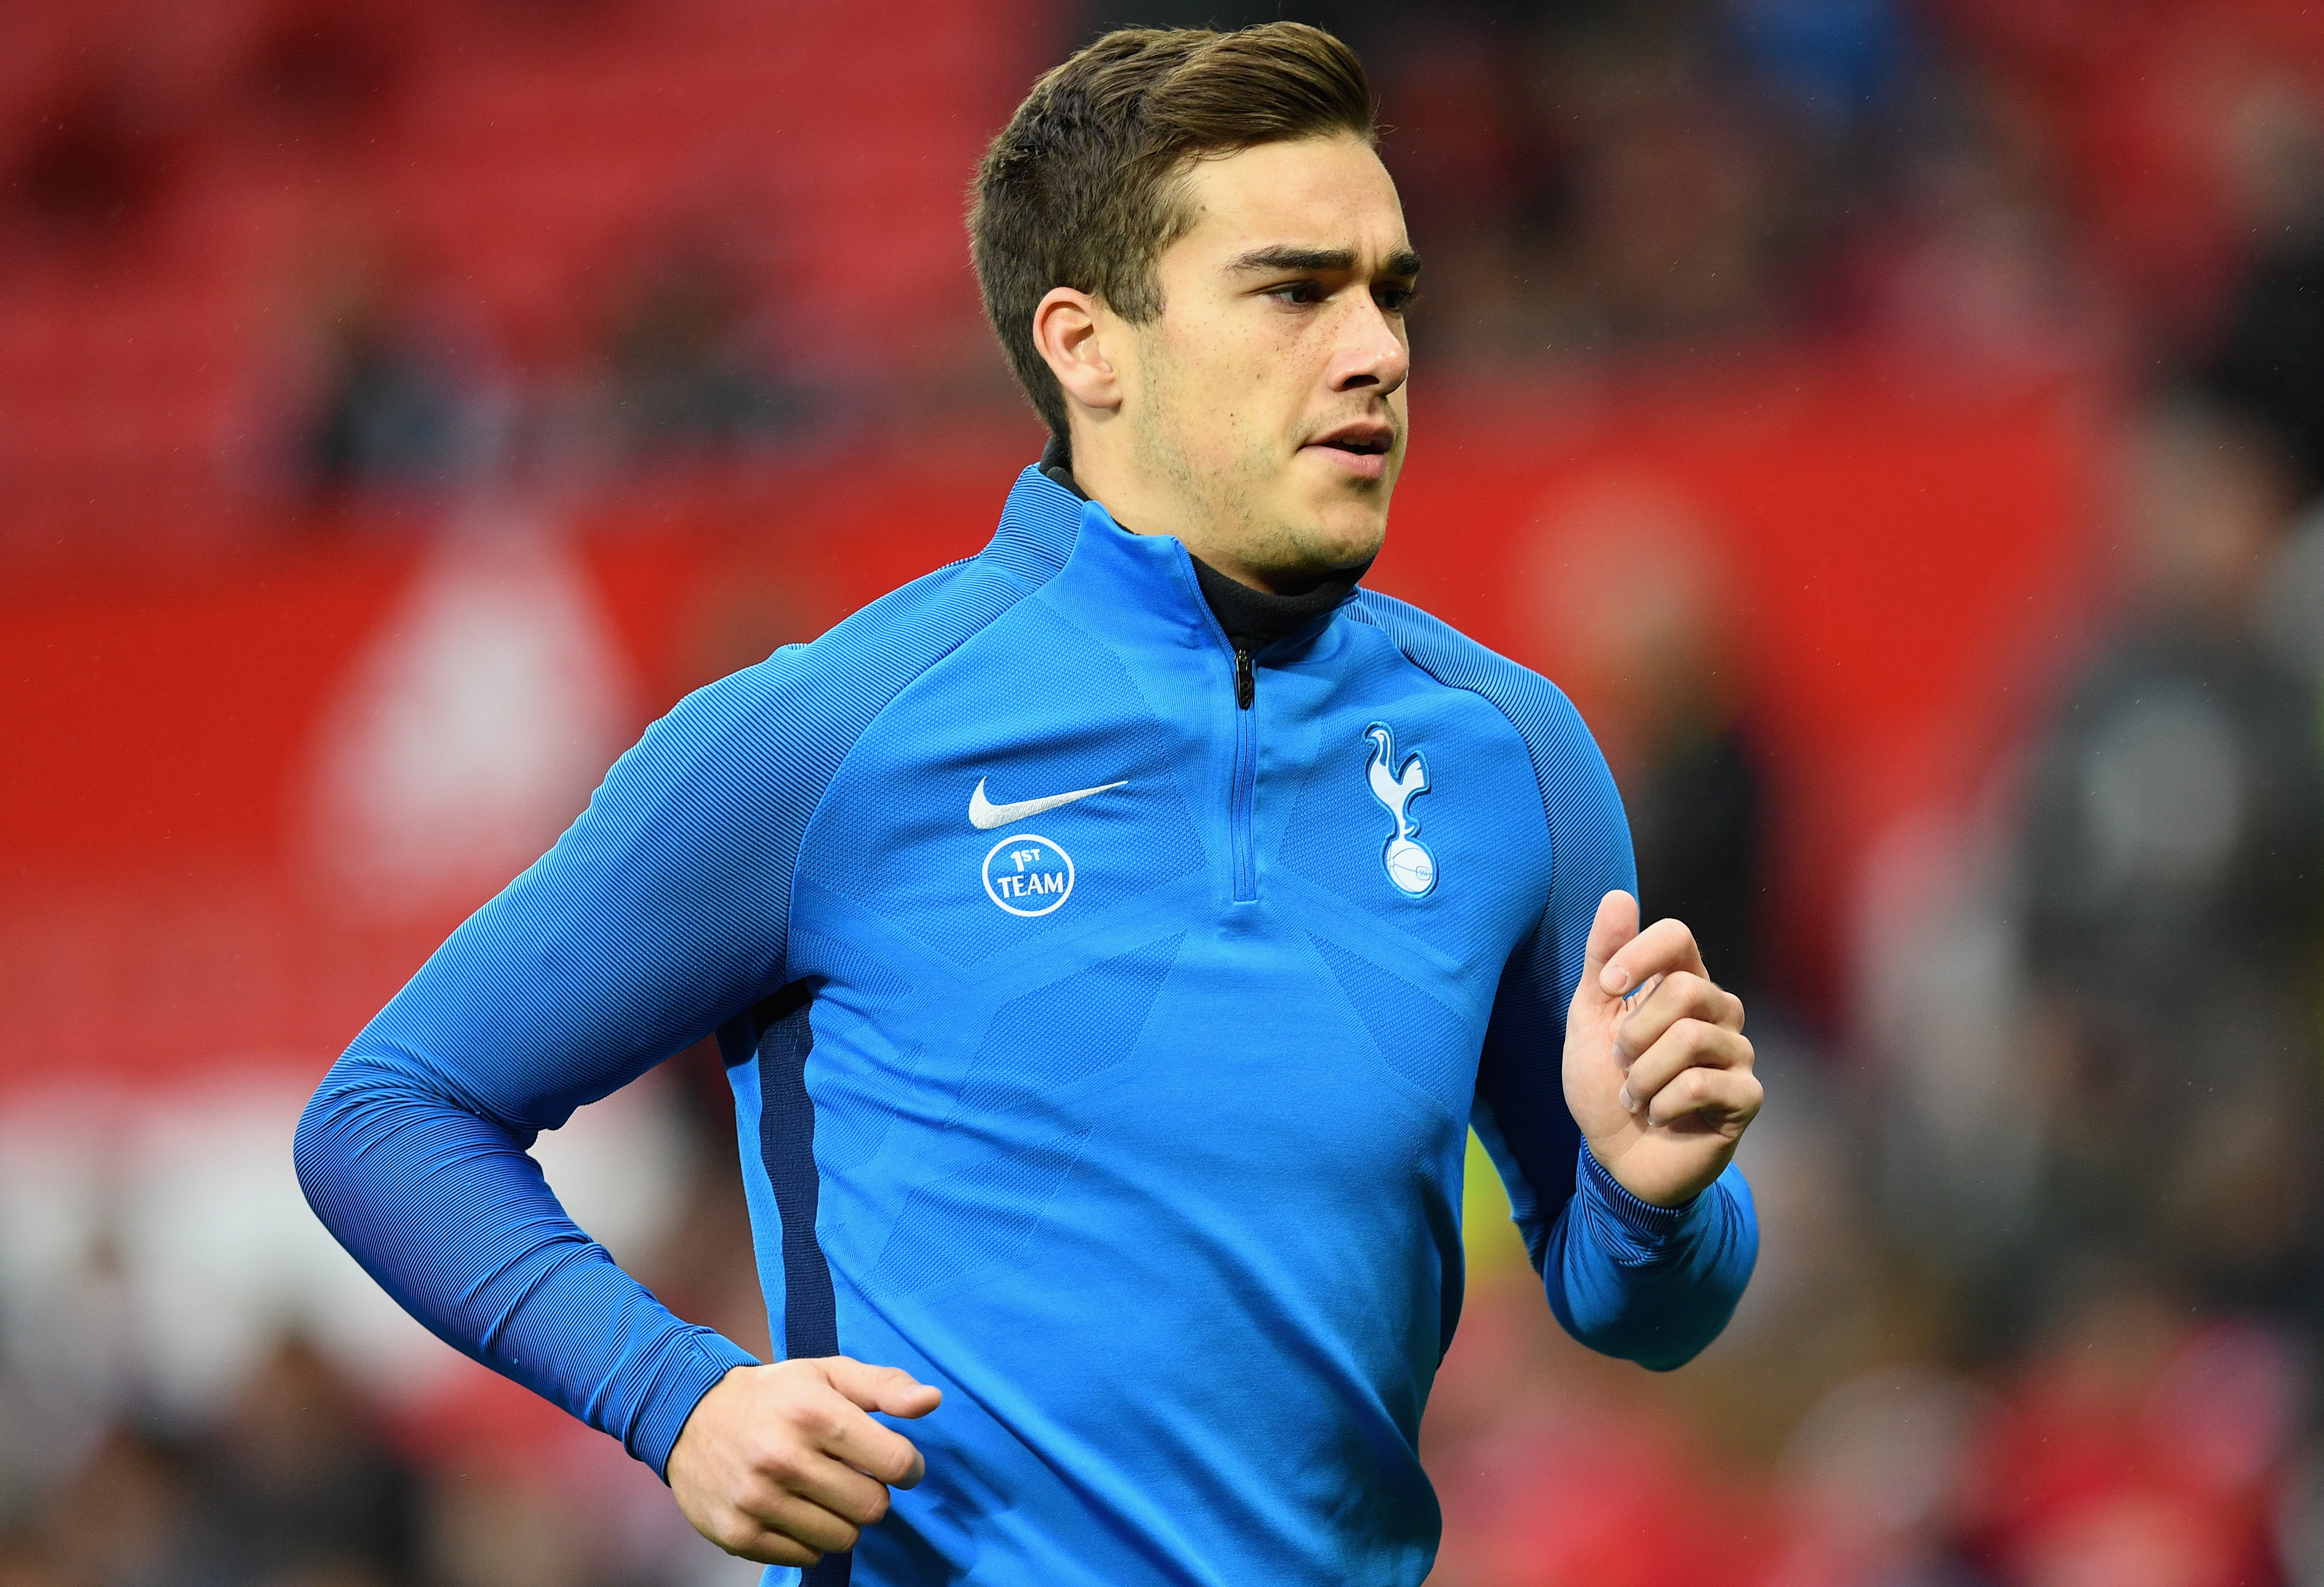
(398,411)
(1903,561)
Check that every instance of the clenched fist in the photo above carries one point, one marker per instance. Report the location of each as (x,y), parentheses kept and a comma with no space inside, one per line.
(784,1464)
(1657,1071)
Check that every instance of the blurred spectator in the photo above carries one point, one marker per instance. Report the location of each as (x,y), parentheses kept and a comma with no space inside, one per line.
(102,158)
(1639,612)
(2173,847)
(688,376)
(297,1485)
(2271,359)
(320,69)
(1880,1468)
(409,399)
(120,1520)
(2136,1450)
(1837,61)
(2096,1031)
(2291,602)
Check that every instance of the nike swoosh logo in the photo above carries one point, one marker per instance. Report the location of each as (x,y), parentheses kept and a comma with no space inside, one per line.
(985,815)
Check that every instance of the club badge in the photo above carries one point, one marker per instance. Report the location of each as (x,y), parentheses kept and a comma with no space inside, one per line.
(1409,864)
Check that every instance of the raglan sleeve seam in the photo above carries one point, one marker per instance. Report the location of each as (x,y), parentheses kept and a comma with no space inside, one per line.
(1534,1206)
(1651,1284)
(839,764)
(1637,1232)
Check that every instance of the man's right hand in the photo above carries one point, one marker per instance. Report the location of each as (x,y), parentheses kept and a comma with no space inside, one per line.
(782,1463)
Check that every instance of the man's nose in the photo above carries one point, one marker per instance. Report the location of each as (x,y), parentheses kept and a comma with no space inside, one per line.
(1370,353)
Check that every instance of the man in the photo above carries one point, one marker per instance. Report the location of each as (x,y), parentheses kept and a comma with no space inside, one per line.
(1113,939)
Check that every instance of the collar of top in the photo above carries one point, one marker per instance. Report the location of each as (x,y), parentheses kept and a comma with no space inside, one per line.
(1053,534)
(1114,581)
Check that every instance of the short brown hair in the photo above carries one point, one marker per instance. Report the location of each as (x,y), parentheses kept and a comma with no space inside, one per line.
(1080,189)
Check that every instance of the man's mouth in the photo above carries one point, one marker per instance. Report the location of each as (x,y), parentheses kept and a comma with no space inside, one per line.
(1358,449)
(1363,440)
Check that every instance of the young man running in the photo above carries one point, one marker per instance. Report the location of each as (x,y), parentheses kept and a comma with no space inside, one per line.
(1113,939)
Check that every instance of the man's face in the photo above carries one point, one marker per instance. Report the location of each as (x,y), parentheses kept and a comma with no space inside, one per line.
(1267,399)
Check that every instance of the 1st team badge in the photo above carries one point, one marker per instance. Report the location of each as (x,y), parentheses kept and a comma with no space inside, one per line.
(1027,874)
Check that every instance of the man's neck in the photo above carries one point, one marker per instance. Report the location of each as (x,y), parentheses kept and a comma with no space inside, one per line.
(1142,510)
(1253,618)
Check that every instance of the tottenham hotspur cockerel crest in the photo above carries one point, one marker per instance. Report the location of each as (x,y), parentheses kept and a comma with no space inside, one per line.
(1409,864)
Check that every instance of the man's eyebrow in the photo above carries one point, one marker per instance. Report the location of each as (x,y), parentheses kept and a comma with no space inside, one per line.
(1403,264)
(1283,256)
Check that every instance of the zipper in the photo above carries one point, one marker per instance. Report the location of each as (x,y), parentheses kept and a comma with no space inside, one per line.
(1246,774)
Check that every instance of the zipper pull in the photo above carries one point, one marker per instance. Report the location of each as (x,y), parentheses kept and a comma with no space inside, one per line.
(1246,682)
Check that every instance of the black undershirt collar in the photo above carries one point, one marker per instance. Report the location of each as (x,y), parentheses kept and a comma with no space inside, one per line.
(1253,619)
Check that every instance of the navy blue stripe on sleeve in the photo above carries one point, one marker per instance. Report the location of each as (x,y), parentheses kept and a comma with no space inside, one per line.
(660,916)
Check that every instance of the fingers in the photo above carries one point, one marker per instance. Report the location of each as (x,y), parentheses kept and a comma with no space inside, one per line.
(1696,1070)
(1663,948)
(882,1454)
(1726,1100)
(823,1481)
(1666,1000)
(815,1500)
(1689,1045)
(863,1442)
(776,1527)
(1681,1021)
(746,1539)
(888,1390)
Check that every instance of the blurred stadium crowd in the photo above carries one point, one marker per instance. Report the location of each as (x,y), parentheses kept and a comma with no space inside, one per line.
(2042,1174)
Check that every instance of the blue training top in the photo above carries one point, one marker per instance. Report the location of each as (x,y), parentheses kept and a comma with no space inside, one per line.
(1104,1049)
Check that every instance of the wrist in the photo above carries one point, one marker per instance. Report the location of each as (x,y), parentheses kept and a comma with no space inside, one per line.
(710,1361)
(1658,1172)
(1647,1226)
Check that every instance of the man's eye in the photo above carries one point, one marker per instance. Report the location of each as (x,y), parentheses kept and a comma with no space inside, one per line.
(1301,292)
(1396,299)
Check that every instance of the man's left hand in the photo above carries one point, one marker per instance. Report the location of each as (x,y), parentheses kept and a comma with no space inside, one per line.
(1657,1071)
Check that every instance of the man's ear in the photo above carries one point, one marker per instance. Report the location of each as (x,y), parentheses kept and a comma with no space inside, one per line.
(1068,328)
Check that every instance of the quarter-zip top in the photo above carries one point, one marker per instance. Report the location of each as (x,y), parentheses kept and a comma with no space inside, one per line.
(1042,1097)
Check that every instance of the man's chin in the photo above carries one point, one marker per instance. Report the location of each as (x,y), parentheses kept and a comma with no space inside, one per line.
(1334,544)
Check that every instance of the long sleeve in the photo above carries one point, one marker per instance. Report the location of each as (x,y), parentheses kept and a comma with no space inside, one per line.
(657,917)
(661,917)
(1649,1284)
(441,1205)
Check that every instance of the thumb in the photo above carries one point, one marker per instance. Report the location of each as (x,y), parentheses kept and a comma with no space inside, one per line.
(1617,924)
(888,1390)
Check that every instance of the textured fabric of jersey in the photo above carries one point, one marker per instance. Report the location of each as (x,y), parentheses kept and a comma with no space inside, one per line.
(1103,1052)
